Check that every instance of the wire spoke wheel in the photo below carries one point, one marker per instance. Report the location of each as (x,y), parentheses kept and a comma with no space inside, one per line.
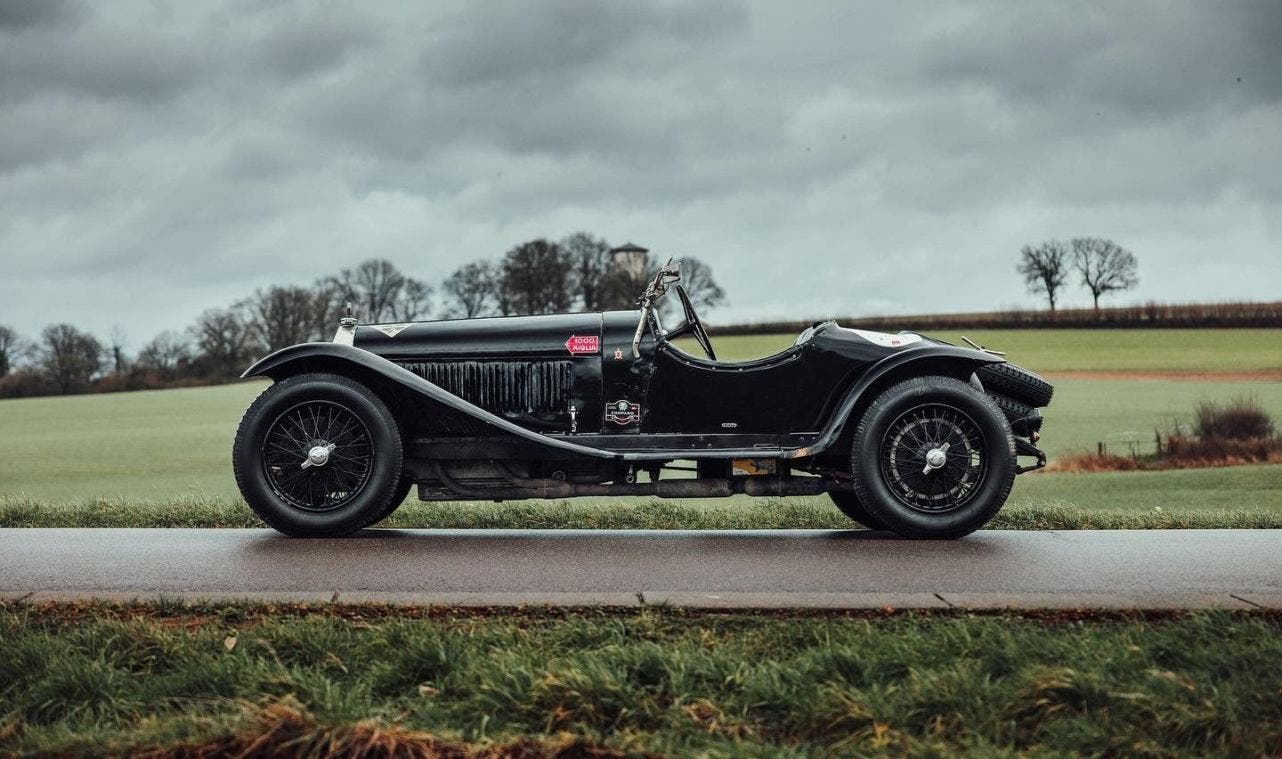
(317,456)
(933,458)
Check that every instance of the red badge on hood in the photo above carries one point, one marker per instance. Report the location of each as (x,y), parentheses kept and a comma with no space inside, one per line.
(583,345)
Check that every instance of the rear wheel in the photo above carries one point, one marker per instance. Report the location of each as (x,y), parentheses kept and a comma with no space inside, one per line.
(318,455)
(933,458)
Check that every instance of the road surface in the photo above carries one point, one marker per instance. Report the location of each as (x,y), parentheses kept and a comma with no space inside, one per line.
(726,569)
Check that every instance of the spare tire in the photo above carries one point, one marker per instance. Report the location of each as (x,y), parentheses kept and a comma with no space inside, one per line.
(1024,419)
(1018,383)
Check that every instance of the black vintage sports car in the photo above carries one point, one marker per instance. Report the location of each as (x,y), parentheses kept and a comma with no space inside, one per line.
(905,433)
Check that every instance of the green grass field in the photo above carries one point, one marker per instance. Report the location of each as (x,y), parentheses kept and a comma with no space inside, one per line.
(100,679)
(162,446)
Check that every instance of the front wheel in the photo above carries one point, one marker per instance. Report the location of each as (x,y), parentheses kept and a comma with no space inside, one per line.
(318,455)
(848,503)
(933,458)
(398,497)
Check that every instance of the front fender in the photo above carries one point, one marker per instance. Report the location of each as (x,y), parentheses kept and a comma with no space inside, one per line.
(928,359)
(336,357)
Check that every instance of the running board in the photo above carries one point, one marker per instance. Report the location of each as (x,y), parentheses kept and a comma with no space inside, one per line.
(638,448)
(451,489)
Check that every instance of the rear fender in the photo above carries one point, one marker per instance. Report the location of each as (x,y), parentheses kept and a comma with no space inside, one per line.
(364,366)
(944,360)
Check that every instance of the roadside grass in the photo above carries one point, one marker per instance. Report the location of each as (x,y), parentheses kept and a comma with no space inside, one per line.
(1234,497)
(114,680)
(1238,488)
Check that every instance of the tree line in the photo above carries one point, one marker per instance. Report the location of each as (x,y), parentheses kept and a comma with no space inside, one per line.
(576,273)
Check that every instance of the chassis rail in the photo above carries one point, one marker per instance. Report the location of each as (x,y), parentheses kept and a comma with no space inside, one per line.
(451,488)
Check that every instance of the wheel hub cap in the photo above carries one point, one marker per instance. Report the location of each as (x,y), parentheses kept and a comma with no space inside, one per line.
(935,458)
(318,455)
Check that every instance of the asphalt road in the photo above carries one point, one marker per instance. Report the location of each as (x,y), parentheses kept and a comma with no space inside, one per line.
(738,569)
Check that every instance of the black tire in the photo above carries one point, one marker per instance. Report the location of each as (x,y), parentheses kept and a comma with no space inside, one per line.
(1018,383)
(913,420)
(293,418)
(398,497)
(1012,409)
(1024,419)
(849,504)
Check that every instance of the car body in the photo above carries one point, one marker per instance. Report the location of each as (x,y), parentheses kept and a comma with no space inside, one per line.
(602,404)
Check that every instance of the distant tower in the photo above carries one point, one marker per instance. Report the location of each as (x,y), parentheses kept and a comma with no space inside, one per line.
(630,258)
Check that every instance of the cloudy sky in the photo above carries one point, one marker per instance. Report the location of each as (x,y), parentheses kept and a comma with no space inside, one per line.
(160,158)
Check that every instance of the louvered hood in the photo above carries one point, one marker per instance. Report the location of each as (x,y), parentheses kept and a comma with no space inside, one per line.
(530,369)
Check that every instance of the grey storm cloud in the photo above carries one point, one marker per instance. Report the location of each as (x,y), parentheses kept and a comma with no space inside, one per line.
(25,14)
(161,158)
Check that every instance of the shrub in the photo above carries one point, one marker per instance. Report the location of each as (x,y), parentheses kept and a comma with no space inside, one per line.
(1239,419)
(1223,434)
(1188,451)
(23,383)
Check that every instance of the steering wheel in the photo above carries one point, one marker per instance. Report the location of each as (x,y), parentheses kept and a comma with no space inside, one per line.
(692,325)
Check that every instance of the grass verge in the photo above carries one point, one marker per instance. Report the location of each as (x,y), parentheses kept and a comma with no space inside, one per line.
(728,514)
(132,679)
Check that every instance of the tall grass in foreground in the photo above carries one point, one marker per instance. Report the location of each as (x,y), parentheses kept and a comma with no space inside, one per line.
(94,681)
(756,514)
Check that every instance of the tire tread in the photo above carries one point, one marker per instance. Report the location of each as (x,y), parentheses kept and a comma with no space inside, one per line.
(1018,383)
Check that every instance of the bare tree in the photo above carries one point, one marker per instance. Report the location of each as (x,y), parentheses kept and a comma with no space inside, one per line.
(69,358)
(1104,266)
(535,279)
(285,316)
(590,262)
(119,361)
(696,278)
(12,346)
(329,304)
(224,339)
(380,292)
(414,300)
(1044,268)
(166,355)
(472,290)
